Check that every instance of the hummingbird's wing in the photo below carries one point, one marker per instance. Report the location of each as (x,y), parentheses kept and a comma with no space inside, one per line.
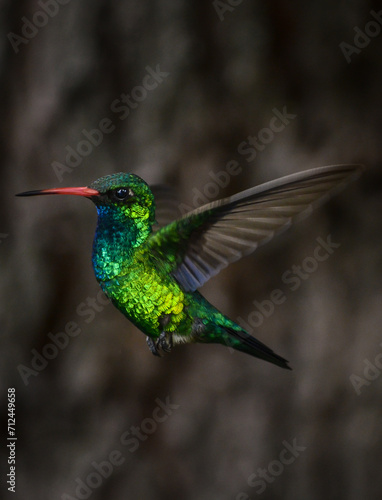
(204,241)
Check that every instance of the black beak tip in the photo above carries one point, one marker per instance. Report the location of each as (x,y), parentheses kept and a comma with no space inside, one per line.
(28,193)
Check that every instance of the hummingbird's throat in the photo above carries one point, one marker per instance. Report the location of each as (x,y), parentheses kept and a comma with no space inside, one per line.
(115,242)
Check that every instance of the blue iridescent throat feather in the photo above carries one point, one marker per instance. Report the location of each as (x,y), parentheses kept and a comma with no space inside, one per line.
(116,238)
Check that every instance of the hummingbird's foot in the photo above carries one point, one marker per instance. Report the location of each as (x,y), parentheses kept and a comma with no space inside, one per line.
(152,346)
(165,341)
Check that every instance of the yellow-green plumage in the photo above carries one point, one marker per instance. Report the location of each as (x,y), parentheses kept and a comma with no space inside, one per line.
(147,298)
(153,277)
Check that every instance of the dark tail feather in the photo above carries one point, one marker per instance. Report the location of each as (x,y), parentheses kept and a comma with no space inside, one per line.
(242,341)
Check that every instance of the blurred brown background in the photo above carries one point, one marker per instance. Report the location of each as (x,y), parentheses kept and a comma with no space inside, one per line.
(230,64)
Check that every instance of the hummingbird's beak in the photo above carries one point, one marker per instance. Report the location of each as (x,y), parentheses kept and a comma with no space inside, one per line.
(79,191)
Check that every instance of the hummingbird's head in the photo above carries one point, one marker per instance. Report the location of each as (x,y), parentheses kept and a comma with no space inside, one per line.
(124,195)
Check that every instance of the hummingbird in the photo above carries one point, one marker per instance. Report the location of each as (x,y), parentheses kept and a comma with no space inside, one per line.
(153,276)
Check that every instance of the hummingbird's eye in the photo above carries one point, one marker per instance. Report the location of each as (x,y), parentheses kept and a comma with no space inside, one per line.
(123,193)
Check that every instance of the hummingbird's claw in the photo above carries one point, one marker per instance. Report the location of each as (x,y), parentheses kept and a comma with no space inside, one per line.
(152,346)
(165,342)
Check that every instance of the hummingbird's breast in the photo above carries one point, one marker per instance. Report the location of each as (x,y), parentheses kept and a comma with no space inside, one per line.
(153,301)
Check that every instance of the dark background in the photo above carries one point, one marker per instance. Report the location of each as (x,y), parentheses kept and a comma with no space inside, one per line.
(235,413)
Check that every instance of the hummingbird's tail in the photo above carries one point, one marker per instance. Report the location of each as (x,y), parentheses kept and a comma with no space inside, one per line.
(211,326)
(242,341)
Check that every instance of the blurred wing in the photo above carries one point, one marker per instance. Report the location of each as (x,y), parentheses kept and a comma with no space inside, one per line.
(167,205)
(197,246)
